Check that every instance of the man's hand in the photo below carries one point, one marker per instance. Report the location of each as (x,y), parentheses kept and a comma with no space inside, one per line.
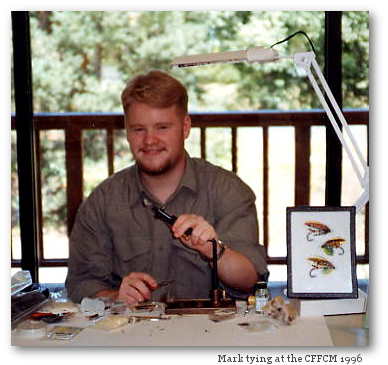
(202,232)
(136,287)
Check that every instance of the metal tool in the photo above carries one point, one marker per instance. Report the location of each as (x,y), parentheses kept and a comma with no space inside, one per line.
(160,214)
(135,319)
(165,282)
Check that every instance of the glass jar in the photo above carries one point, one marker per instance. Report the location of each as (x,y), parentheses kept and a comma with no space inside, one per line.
(262,296)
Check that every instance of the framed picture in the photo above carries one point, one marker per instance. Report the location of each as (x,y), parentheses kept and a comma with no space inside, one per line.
(321,252)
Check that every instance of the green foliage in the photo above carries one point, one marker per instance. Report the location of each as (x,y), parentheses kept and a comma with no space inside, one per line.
(82,61)
(53,177)
(356,59)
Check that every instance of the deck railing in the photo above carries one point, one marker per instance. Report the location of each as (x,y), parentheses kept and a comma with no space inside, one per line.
(73,125)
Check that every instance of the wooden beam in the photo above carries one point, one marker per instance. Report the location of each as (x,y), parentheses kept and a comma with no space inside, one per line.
(26,152)
(50,121)
(333,75)
(265,190)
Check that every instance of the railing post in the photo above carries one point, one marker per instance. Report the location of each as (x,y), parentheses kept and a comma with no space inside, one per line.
(74,173)
(203,142)
(110,149)
(234,149)
(302,165)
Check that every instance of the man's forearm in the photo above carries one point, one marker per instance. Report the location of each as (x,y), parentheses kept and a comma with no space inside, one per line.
(236,270)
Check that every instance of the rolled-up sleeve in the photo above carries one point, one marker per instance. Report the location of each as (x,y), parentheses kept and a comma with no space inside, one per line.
(236,220)
(90,262)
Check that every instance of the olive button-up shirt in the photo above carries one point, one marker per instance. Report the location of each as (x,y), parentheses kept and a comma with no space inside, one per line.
(115,234)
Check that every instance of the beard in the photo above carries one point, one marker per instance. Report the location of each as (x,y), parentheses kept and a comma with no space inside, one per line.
(159,164)
(164,168)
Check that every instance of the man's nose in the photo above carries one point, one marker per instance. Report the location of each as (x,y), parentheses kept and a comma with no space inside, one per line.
(150,137)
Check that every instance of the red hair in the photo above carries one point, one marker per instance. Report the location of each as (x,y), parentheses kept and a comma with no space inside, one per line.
(157,89)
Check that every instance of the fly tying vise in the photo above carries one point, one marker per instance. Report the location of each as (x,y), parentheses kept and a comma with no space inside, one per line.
(161,214)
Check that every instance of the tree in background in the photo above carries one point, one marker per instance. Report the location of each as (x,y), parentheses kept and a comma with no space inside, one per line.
(82,60)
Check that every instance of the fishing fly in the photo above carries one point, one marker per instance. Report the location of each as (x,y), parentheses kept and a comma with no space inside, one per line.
(319,263)
(315,229)
(334,243)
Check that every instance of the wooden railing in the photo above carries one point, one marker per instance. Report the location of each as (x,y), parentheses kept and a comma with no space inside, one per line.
(73,125)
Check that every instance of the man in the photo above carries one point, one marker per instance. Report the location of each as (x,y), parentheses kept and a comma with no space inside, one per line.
(120,251)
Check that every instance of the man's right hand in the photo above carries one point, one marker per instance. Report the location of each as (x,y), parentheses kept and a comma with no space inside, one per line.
(136,287)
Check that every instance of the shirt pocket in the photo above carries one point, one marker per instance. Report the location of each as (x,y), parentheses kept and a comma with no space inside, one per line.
(131,241)
(132,256)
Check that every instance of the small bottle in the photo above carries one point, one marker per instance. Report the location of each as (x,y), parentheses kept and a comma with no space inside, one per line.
(262,296)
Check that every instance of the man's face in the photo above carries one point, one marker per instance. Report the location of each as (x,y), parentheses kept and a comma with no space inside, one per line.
(156,137)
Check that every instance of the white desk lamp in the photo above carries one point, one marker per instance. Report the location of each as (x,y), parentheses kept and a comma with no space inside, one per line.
(304,60)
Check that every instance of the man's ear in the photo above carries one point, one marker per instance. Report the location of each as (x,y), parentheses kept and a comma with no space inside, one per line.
(186,126)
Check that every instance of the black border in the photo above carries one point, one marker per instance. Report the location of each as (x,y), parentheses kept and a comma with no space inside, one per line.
(354,293)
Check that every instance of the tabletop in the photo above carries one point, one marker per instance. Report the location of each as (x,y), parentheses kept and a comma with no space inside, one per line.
(241,329)
(199,330)
(348,329)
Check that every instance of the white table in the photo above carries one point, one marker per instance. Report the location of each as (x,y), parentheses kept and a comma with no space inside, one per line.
(194,330)
(348,330)
(198,330)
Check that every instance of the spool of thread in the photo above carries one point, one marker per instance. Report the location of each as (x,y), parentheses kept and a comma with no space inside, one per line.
(251,300)
(96,306)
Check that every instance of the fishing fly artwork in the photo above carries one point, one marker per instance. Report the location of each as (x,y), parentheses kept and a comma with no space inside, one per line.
(315,229)
(321,264)
(321,252)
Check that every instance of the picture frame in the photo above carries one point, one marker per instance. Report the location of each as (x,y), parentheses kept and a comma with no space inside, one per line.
(321,252)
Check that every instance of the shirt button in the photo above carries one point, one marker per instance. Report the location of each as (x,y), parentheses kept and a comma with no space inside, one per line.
(161,248)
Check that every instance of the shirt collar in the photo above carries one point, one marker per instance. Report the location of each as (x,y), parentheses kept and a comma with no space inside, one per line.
(135,186)
(189,181)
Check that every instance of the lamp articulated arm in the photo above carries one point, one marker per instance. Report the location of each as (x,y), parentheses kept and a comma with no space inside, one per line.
(304,60)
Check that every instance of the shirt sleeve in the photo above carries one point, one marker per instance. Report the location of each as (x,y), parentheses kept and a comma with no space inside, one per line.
(237,224)
(90,262)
